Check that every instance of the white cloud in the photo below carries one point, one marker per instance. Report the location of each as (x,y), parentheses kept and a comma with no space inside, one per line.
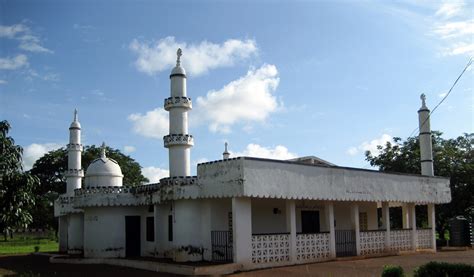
(16,62)
(28,41)
(129,149)
(32,44)
(13,30)
(370,145)
(442,95)
(450,9)
(3,82)
(279,152)
(459,49)
(154,174)
(246,99)
(153,124)
(197,58)
(455,29)
(34,151)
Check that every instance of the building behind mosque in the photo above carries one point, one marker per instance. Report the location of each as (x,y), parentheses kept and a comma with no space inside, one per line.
(251,211)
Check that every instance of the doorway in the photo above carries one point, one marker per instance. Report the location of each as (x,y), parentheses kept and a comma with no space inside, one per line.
(310,222)
(132,236)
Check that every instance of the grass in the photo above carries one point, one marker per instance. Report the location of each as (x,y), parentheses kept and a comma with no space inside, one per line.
(21,244)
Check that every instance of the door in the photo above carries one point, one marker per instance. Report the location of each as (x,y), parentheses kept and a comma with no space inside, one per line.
(132,236)
(345,243)
(310,222)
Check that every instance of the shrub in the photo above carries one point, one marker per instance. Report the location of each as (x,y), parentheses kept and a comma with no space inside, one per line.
(440,269)
(392,271)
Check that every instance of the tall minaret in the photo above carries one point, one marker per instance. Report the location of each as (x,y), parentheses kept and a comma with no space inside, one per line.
(178,142)
(74,172)
(426,151)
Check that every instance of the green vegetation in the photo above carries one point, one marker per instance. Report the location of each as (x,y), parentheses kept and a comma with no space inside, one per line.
(392,271)
(440,269)
(21,244)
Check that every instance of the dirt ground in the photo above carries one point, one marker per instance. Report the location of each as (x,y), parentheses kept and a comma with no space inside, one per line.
(39,266)
(366,267)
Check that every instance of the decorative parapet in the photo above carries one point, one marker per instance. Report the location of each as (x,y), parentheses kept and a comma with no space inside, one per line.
(178,139)
(178,102)
(179,187)
(109,196)
(74,173)
(178,181)
(94,190)
(75,146)
(64,205)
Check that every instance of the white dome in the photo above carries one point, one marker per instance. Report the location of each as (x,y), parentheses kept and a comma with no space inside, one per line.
(103,172)
(75,124)
(178,70)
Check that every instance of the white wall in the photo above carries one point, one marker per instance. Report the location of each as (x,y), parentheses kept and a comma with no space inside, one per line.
(263,218)
(371,209)
(104,231)
(62,233)
(342,215)
(75,241)
(148,248)
(310,205)
(161,234)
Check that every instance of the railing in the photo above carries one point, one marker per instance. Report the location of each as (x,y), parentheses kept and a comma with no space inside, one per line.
(400,240)
(178,101)
(178,180)
(221,242)
(271,248)
(312,247)
(425,238)
(178,139)
(113,189)
(372,242)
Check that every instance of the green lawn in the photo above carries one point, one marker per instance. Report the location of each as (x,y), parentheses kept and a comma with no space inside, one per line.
(27,244)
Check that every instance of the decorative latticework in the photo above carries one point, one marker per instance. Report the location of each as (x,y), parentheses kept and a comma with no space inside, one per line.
(425,238)
(400,240)
(372,242)
(312,247)
(272,248)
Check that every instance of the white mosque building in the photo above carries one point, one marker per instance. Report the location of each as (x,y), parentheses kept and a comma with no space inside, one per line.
(250,211)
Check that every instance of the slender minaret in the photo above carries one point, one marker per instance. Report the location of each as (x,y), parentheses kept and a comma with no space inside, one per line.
(178,142)
(226,154)
(74,172)
(426,151)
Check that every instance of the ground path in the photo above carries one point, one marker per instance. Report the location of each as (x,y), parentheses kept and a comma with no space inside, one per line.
(39,266)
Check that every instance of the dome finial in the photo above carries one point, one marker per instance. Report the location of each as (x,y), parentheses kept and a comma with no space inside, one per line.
(423,100)
(179,53)
(102,151)
(226,154)
(75,115)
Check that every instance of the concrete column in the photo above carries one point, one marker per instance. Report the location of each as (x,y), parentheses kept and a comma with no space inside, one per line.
(291,227)
(63,222)
(405,216)
(386,224)
(432,224)
(157,226)
(242,230)
(414,241)
(332,233)
(355,222)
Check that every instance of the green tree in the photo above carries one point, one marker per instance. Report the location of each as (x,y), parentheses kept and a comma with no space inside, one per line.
(16,187)
(50,170)
(453,158)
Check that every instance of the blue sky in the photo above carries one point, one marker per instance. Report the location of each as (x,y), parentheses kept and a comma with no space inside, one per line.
(275,79)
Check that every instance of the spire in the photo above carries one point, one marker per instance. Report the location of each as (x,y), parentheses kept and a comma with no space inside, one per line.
(423,101)
(179,53)
(102,151)
(226,154)
(75,115)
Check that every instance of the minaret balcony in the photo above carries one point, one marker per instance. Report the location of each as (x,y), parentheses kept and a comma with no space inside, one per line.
(75,147)
(74,173)
(178,102)
(178,139)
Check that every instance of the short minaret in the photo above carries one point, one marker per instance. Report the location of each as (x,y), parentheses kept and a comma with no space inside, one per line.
(74,172)
(178,142)
(426,151)
(226,154)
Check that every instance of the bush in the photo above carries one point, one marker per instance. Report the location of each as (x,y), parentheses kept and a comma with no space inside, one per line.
(439,269)
(392,271)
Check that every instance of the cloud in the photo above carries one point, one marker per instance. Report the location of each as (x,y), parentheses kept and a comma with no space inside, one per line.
(370,145)
(249,98)
(16,62)
(28,41)
(153,124)
(197,59)
(34,151)
(450,9)
(154,174)
(279,152)
(442,95)
(455,29)
(129,149)
(3,82)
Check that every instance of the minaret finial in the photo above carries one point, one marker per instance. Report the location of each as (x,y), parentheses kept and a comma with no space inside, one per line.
(226,154)
(423,99)
(225,145)
(75,114)
(102,150)
(179,53)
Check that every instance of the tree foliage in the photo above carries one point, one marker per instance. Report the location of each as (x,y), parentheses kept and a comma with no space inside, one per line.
(453,158)
(16,186)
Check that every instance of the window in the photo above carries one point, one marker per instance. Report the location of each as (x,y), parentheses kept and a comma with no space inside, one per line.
(170,228)
(151,208)
(363,221)
(150,228)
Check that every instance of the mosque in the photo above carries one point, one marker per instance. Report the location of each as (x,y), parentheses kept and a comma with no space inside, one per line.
(251,211)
